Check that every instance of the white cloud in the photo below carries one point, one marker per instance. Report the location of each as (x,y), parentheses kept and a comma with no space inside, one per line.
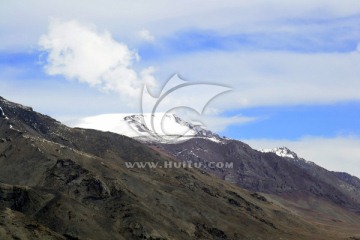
(82,53)
(336,154)
(272,78)
(122,17)
(146,35)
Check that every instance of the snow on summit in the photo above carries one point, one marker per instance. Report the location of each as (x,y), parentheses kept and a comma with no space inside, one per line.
(145,126)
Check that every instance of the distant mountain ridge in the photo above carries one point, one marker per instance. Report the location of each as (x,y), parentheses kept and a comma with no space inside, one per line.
(265,170)
(287,153)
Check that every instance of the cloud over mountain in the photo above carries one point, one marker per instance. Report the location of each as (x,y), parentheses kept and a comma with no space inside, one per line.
(80,52)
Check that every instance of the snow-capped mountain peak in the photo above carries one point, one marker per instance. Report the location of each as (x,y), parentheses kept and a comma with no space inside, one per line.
(282,152)
(161,127)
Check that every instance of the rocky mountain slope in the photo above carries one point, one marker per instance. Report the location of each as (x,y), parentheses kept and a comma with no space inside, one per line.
(58,182)
(278,172)
(297,183)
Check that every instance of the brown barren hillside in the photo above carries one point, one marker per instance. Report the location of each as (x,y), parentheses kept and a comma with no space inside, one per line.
(58,182)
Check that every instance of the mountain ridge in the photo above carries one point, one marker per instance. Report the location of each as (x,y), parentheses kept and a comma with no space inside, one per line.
(71,183)
(265,176)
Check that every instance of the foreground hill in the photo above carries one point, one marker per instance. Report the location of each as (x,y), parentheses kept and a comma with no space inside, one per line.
(58,182)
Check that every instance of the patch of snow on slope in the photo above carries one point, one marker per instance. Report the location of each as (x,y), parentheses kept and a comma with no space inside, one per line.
(282,152)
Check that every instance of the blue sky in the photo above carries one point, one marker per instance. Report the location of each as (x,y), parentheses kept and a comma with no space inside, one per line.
(294,122)
(293,67)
